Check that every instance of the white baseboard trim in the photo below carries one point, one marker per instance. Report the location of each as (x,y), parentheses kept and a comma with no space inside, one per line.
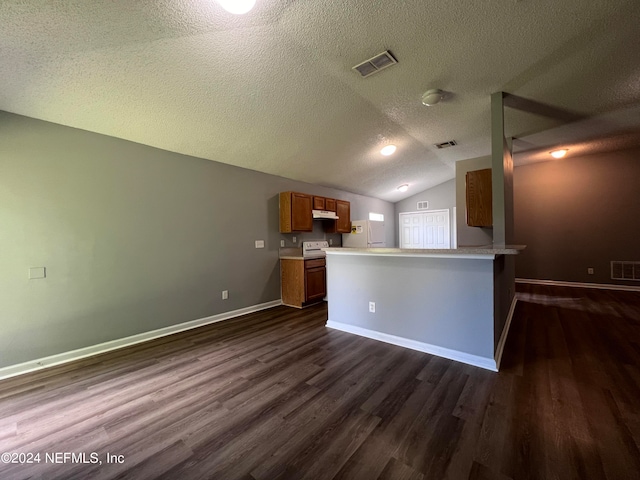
(66,357)
(475,360)
(505,332)
(558,283)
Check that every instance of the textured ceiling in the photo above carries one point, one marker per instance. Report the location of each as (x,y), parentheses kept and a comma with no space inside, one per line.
(273,90)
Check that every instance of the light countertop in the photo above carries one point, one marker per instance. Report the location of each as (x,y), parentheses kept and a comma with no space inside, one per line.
(485,251)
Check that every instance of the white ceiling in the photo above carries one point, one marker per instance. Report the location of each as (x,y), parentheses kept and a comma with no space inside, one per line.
(273,90)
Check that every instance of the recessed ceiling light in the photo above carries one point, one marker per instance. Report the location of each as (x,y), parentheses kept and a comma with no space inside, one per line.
(559,153)
(404,188)
(388,150)
(237,7)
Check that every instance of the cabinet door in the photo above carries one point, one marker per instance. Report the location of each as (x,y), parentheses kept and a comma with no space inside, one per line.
(315,283)
(301,217)
(479,198)
(330,204)
(343,224)
(343,210)
(318,203)
(292,278)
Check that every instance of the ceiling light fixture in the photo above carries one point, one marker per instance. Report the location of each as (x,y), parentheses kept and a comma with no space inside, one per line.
(559,153)
(237,7)
(388,150)
(431,97)
(404,187)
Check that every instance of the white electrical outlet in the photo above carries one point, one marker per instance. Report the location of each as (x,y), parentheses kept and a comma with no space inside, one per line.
(294,239)
(590,271)
(259,243)
(330,241)
(282,243)
(372,307)
(225,294)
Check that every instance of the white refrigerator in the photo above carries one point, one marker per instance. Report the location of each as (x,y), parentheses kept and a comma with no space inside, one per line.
(364,234)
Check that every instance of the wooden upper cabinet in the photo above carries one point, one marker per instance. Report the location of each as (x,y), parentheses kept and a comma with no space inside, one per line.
(479,198)
(343,210)
(296,215)
(319,203)
(295,212)
(343,224)
(330,204)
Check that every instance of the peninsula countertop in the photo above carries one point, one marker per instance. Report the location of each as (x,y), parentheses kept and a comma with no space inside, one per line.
(448,302)
(484,251)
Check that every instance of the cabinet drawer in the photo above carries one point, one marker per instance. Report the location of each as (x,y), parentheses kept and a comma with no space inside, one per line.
(316,262)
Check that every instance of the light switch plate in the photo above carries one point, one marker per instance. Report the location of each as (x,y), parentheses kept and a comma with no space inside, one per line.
(259,243)
(37,272)
(282,243)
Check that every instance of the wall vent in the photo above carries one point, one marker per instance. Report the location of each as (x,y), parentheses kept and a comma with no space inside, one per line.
(625,270)
(375,64)
(424,205)
(450,143)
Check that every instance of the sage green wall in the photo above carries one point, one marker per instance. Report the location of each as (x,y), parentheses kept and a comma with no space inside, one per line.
(578,212)
(133,238)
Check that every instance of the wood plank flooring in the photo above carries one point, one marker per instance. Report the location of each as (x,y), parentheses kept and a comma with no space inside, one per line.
(277,395)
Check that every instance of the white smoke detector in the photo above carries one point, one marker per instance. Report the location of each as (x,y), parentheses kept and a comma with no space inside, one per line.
(431,97)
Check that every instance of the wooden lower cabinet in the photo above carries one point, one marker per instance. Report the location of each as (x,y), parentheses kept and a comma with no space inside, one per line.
(303,281)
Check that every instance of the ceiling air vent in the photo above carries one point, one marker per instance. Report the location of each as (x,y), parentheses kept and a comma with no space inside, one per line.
(375,64)
(450,143)
(424,205)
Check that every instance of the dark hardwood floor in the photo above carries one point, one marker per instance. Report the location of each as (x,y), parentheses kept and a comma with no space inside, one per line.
(276,395)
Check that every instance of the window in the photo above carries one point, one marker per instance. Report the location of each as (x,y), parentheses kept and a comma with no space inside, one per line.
(376,217)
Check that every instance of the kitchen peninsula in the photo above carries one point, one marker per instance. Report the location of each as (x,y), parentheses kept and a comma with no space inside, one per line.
(447,302)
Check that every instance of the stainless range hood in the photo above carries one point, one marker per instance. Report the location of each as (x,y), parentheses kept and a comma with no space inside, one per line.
(324,215)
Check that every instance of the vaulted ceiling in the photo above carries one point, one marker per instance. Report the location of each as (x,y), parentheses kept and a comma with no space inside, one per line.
(273,90)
